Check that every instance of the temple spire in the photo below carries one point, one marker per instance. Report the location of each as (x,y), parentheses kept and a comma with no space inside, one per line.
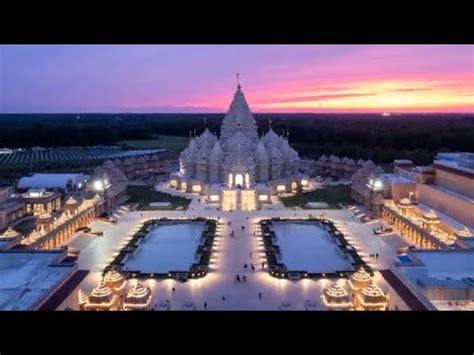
(269,124)
(237,75)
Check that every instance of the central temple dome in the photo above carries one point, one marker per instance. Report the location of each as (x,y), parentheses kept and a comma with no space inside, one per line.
(239,119)
(238,158)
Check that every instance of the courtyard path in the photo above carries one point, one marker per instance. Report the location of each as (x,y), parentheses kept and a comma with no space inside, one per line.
(230,256)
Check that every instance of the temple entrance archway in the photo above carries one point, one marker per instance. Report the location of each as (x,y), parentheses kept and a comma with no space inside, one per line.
(239,180)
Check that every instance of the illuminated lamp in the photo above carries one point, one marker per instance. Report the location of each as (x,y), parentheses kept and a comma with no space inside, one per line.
(98,185)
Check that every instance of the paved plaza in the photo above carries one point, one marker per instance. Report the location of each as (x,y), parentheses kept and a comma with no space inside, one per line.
(230,254)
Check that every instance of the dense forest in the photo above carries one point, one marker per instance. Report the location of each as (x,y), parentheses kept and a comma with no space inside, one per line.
(382,139)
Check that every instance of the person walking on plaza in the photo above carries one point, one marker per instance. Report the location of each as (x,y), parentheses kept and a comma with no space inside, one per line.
(250,254)
(263,265)
(259,295)
(223,298)
(244,278)
(245,266)
(237,278)
(205,306)
(252,267)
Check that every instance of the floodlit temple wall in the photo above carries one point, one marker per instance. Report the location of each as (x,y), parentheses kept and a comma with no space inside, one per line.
(456,182)
(399,191)
(460,209)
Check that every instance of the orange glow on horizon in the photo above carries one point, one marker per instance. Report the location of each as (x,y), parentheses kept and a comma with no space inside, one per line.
(414,94)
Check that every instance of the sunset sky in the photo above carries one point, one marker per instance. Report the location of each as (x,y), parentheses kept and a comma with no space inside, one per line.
(201,78)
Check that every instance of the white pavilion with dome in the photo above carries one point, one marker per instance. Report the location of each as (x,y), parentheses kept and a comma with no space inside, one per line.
(239,169)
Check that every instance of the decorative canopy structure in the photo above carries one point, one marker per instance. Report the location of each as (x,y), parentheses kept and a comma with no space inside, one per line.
(360,279)
(45,216)
(405,202)
(431,218)
(335,296)
(114,280)
(372,297)
(102,297)
(71,201)
(83,299)
(9,233)
(138,297)
(405,205)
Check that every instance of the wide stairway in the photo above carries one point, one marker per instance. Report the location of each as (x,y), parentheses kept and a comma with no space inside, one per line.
(248,200)
(229,200)
(239,200)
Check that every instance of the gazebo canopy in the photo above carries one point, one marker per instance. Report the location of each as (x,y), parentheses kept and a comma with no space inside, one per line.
(10,233)
(114,279)
(372,294)
(138,296)
(360,279)
(45,215)
(464,233)
(431,217)
(83,298)
(336,294)
(101,295)
(71,201)
(405,203)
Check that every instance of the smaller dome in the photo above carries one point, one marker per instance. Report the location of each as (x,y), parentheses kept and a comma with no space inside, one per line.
(108,165)
(102,296)
(137,296)
(275,154)
(464,233)
(217,154)
(369,164)
(323,158)
(189,153)
(405,202)
(360,279)
(335,294)
(271,139)
(114,279)
(431,217)
(261,153)
(45,215)
(371,295)
(83,298)
(72,201)
(10,233)
(206,139)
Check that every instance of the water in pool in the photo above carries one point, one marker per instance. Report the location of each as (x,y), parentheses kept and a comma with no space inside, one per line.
(169,247)
(308,247)
(404,259)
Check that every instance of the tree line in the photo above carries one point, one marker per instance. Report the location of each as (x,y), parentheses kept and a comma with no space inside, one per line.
(370,136)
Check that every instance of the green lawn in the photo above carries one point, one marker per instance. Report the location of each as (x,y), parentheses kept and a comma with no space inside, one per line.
(144,195)
(332,195)
(170,143)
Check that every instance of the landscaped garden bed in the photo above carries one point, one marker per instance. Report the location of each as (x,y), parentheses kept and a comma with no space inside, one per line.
(330,195)
(146,196)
